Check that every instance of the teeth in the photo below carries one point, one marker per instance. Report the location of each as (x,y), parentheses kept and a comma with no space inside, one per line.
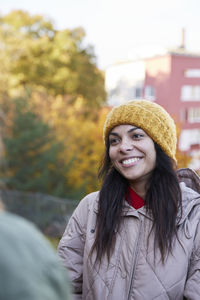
(129,161)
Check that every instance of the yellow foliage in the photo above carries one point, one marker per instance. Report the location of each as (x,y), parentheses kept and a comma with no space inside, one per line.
(183,159)
(85,145)
(81,135)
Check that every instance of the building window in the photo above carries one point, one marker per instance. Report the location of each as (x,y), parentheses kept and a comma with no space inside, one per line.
(194,115)
(149,92)
(187,138)
(183,115)
(190,93)
(192,73)
(138,92)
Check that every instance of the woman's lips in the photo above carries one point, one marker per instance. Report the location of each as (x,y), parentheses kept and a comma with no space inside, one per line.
(130,161)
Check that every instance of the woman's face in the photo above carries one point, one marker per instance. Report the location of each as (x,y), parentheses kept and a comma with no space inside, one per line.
(132,153)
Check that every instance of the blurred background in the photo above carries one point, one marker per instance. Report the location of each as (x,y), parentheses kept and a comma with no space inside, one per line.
(64,64)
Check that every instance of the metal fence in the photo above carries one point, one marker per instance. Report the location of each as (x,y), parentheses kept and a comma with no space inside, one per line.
(49,213)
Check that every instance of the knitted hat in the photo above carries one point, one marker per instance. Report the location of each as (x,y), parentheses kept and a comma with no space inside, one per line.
(150,117)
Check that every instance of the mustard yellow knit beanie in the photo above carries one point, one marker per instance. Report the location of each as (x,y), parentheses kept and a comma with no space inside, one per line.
(150,117)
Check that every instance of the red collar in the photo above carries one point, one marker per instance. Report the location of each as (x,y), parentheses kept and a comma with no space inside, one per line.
(134,199)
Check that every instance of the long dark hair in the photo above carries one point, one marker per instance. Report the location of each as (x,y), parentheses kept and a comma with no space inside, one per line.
(163,200)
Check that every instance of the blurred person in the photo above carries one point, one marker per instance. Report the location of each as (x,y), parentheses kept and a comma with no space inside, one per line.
(138,238)
(29,268)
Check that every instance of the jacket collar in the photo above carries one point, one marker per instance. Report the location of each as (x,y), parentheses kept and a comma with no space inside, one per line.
(190,199)
(190,188)
(127,210)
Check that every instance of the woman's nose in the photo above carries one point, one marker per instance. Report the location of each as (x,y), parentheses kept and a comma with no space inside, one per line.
(126,146)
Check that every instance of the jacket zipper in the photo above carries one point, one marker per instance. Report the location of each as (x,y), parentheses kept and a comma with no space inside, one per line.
(135,259)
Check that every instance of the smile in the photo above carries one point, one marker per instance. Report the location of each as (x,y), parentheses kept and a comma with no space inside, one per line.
(130,161)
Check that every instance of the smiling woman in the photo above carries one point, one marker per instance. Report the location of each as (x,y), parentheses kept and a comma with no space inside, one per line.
(133,155)
(139,236)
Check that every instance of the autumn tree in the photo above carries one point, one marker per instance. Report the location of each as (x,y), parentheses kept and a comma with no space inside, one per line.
(58,78)
(83,142)
(36,57)
(32,155)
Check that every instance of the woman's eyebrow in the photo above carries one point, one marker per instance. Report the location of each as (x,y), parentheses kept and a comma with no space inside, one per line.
(132,129)
(114,133)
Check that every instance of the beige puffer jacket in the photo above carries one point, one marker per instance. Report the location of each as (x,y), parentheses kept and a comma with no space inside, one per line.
(133,273)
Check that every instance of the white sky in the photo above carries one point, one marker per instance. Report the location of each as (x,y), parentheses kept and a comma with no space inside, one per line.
(122,29)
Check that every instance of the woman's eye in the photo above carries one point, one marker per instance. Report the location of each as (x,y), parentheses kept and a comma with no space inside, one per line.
(137,136)
(114,141)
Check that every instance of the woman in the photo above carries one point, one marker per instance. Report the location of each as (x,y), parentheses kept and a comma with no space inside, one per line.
(139,236)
